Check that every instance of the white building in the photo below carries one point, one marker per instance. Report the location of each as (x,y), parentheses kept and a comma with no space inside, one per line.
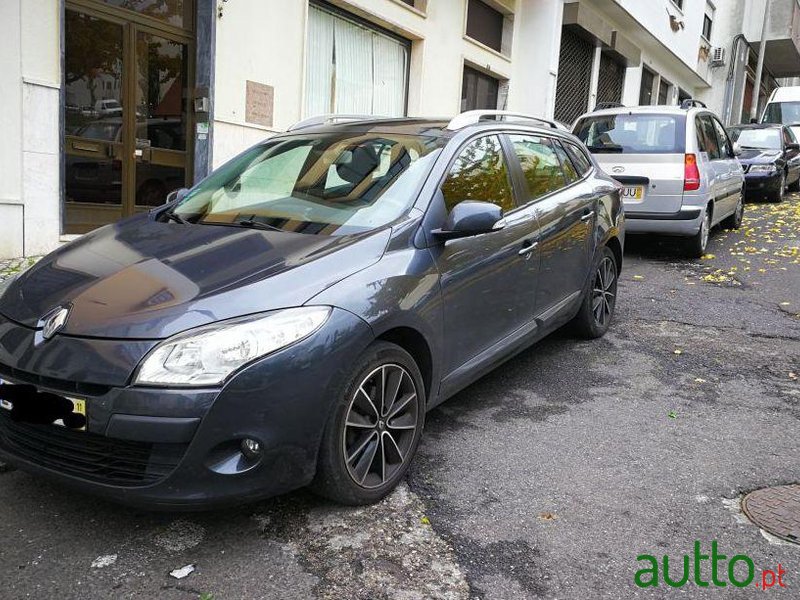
(106,109)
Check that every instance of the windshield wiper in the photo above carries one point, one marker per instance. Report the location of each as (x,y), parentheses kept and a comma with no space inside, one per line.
(257,225)
(172,216)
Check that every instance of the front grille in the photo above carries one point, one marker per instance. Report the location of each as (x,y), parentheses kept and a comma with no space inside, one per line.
(89,456)
(61,385)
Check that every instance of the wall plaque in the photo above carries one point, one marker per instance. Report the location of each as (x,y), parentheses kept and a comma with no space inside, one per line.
(259,103)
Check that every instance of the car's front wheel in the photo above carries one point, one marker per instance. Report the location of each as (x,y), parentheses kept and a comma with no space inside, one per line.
(375,428)
(697,244)
(735,220)
(597,310)
(780,192)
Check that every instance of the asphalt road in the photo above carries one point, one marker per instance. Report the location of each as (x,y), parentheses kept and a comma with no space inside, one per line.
(546,479)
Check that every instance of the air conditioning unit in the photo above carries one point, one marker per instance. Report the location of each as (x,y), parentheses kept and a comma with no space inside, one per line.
(717,56)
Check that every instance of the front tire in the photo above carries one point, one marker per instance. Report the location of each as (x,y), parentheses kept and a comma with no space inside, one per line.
(777,195)
(735,220)
(600,299)
(375,428)
(795,187)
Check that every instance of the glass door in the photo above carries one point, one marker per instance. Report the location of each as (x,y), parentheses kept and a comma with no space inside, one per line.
(94,116)
(126,137)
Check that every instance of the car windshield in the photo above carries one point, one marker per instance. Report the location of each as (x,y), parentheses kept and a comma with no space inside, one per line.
(767,139)
(633,133)
(785,113)
(324,184)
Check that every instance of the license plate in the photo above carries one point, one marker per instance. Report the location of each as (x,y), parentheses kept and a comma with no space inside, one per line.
(78,411)
(633,192)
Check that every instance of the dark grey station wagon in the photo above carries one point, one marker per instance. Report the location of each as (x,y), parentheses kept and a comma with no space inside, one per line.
(289,320)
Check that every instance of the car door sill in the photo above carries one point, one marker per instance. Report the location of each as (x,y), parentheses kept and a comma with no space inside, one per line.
(497,354)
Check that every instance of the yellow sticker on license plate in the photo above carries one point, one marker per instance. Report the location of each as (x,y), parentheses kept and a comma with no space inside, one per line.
(633,192)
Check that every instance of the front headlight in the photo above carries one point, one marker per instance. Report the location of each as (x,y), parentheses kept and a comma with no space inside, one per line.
(208,355)
(762,169)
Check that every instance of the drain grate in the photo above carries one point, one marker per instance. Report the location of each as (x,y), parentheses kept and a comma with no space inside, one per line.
(775,510)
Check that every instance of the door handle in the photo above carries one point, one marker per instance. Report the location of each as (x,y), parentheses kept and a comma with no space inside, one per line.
(527,249)
(588,216)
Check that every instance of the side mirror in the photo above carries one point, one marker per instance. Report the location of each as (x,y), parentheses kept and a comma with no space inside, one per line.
(737,149)
(469,218)
(793,146)
(177,195)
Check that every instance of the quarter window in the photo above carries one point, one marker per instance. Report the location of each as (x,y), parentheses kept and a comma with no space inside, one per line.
(540,165)
(582,164)
(479,173)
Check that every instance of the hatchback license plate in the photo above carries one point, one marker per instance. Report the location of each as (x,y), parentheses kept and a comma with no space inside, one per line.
(634,192)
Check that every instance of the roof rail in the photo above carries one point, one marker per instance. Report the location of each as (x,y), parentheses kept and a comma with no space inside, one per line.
(332,119)
(692,103)
(605,105)
(472,117)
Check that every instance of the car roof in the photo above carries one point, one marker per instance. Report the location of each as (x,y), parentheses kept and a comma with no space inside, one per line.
(649,110)
(757,126)
(433,126)
(786,94)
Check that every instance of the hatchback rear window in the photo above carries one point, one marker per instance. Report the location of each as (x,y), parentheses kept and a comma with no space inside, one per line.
(633,134)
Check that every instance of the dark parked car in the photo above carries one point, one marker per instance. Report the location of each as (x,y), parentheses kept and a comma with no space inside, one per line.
(290,320)
(770,158)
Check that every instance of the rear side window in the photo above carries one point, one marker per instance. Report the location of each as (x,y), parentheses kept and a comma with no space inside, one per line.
(479,173)
(707,137)
(633,134)
(566,163)
(540,164)
(579,159)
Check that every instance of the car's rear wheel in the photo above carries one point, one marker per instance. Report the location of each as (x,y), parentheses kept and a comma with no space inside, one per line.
(600,299)
(735,220)
(697,244)
(375,429)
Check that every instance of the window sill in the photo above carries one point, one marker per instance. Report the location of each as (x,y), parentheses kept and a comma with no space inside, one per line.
(413,9)
(483,46)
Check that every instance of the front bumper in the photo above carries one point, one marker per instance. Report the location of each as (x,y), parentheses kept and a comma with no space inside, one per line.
(179,448)
(762,184)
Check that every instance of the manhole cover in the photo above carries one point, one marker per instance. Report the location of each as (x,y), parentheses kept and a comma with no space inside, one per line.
(776,510)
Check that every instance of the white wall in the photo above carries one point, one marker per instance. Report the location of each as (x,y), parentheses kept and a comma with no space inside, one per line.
(264,40)
(30,77)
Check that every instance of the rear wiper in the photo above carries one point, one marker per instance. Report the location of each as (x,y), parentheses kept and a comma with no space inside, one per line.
(257,225)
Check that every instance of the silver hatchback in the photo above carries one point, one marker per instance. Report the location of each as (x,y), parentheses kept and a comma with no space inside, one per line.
(677,164)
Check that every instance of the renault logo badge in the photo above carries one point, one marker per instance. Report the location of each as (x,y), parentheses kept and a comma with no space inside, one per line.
(53,321)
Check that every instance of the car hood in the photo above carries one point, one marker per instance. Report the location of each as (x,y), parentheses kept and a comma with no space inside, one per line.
(752,156)
(149,280)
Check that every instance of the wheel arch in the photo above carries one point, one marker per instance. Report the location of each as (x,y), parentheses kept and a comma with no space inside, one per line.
(413,342)
(616,247)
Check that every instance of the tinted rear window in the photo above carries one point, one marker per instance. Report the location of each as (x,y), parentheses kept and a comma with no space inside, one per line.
(633,134)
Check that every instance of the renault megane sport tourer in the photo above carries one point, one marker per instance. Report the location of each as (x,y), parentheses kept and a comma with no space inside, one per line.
(289,320)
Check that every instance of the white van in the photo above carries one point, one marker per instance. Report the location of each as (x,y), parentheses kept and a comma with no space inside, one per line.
(784,108)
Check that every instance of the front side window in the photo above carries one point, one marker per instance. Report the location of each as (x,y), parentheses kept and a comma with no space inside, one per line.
(331,184)
(570,172)
(479,173)
(766,139)
(540,165)
(579,159)
(725,146)
(633,134)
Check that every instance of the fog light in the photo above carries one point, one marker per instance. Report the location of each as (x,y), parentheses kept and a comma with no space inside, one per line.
(251,448)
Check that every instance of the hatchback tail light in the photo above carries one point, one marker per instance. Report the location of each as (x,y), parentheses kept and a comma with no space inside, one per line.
(691,174)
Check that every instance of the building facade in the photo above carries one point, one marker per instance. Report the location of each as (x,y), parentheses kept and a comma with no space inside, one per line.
(111,104)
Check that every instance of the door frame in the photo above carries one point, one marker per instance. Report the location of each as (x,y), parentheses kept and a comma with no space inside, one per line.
(131,23)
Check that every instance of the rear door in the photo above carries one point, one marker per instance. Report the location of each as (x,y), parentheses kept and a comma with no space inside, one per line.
(713,164)
(644,152)
(563,205)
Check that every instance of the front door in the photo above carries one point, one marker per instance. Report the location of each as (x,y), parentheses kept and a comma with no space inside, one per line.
(126,113)
(487,280)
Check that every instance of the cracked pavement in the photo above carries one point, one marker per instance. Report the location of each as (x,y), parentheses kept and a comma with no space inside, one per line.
(546,479)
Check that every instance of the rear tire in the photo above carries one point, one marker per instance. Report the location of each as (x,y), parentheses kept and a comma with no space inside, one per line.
(600,298)
(735,220)
(368,446)
(697,244)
